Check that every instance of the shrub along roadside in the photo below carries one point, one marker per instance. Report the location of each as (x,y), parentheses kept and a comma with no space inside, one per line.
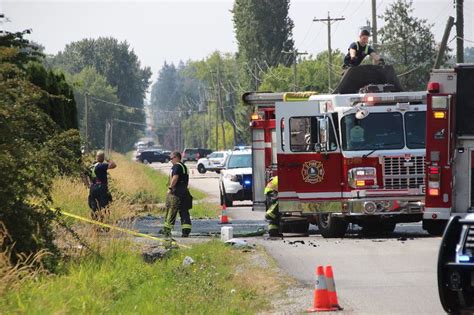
(221,281)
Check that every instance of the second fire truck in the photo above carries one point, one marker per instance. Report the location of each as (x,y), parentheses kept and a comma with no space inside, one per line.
(355,156)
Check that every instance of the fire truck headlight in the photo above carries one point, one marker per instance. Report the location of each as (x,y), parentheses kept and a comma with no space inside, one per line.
(362,177)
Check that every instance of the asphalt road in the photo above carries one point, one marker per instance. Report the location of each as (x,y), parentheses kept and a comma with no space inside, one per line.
(395,274)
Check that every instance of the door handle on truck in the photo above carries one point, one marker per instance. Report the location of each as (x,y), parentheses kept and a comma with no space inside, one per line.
(294,164)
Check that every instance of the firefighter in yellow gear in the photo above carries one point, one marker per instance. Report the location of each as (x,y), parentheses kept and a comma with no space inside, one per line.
(273,214)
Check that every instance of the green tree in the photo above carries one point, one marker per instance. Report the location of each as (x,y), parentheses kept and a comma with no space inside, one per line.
(263,29)
(33,149)
(90,81)
(62,107)
(312,74)
(408,43)
(114,60)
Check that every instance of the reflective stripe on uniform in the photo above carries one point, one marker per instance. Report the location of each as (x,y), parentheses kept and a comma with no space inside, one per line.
(366,49)
(271,214)
(185,169)
(272,227)
(186,226)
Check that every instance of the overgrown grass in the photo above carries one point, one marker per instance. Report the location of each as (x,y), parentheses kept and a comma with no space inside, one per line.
(131,183)
(221,281)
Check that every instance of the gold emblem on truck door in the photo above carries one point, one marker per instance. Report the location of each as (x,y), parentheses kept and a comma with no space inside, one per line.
(312,172)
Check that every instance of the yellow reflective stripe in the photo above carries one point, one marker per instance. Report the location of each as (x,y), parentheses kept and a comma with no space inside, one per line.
(186,226)
(366,50)
(271,214)
(272,227)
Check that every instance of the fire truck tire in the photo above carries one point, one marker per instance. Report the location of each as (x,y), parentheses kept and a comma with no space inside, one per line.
(201,169)
(332,227)
(434,227)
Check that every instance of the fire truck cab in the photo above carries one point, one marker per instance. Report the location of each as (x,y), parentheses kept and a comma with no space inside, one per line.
(357,156)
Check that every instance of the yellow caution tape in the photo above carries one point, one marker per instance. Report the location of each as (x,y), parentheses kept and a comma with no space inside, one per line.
(114,227)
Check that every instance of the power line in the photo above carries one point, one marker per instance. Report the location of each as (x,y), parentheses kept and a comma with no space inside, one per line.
(115,104)
(329,20)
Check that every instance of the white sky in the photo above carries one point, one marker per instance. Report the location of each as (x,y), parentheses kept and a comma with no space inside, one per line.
(181,30)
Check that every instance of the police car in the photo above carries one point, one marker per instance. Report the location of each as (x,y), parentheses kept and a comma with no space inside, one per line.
(235,182)
(213,162)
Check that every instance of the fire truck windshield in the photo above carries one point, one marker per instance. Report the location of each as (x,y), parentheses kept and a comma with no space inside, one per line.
(415,128)
(378,131)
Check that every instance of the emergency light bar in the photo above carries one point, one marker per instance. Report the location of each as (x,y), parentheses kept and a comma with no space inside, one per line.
(379,100)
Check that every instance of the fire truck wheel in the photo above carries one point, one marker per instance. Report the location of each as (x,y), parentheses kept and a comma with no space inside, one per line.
(332,227)
(201,169)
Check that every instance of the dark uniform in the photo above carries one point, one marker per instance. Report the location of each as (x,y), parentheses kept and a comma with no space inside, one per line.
(361,53)
(179,200)
(99,195)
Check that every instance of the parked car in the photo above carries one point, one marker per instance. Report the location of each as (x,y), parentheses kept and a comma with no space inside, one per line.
(213,162)
(194,154)
(151,156)
(235,182)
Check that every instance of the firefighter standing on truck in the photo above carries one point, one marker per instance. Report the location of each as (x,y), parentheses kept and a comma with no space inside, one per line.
(273,214)
(178,198)
(359,50)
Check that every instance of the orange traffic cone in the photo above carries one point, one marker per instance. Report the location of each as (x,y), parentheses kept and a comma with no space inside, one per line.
(224,217)
(321,298)
(332,294)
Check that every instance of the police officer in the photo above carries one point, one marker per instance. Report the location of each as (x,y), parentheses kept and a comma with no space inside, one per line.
(99,195)
(273,214)
(359,50)
(178,198)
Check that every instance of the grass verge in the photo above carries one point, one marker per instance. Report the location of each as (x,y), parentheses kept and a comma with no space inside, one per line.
(222,280)
(131,183)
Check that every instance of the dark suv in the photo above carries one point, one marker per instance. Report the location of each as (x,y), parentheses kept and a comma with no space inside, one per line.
(153,156)
(194,154)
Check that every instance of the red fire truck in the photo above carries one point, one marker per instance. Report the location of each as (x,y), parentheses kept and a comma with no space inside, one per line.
(450,182)
(450,145)
(355,156)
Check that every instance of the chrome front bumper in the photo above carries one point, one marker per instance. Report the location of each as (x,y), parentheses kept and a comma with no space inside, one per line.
(382,206)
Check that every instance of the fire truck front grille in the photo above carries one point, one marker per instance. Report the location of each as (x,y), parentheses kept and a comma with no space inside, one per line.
(400,173)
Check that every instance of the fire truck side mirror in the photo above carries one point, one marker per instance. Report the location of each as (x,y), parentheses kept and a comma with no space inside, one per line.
(323,123)
(361,113)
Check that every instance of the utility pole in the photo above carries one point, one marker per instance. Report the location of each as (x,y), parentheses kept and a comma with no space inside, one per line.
(329,20)
(374,23)
(295,54)
(217,113)
(459,31)
(86,122)
(219,100)
(444,41)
